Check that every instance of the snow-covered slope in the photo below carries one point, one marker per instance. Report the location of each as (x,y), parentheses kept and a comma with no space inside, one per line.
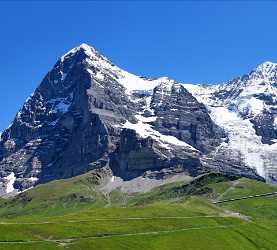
(104,67)
(246,108)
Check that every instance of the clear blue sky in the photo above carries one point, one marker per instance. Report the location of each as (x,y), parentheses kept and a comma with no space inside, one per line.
(188,41)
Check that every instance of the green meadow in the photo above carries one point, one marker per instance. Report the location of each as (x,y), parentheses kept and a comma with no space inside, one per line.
(74,214)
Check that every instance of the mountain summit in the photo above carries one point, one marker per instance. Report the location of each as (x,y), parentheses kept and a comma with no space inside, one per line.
(88,114)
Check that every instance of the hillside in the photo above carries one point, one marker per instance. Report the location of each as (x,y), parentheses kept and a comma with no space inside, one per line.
(74,214)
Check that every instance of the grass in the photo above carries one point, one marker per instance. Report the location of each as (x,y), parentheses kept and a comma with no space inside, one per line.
(74,214)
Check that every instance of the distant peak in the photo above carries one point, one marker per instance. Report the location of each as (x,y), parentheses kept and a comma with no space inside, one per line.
(164,78)
(266,66)
(268,63)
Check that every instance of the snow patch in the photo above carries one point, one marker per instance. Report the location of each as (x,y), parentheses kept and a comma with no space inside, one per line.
(33,179)
(112,178)
(88,50)
(10,179)
(145,130)
(275,122)
(146,119)
(130,82)
(61,104)
(243,139)
(134,83)
(250,105)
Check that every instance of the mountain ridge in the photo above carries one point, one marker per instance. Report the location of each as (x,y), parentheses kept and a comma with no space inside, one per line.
(89,114)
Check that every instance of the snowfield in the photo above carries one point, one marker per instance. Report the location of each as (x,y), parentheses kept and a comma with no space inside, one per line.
(234,113)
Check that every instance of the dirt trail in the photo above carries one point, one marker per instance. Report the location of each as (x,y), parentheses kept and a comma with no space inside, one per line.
(115,219)
(234,184)
(246,197)
(70,240)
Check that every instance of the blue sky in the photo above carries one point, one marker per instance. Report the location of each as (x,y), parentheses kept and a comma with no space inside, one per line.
(189,41)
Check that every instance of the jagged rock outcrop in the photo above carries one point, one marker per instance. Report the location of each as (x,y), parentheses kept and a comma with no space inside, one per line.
(179,114)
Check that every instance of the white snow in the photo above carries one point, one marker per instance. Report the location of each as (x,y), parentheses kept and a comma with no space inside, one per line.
(275,122)
(61,104)
(266,69)
(10,143)
(243,141)
(146,119)
(250,105)
(62,107)
(242,137)
(202,93)
(10,181)
(88,50)
(33,179)
(112,178)
(100,76)
(245,92)
(148,105)
(130,82)
(63,76)
(145,130)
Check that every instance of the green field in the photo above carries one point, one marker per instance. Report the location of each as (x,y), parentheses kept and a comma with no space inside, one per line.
(74,214)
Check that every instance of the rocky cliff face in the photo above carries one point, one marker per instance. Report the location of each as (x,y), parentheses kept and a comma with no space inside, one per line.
(88,114)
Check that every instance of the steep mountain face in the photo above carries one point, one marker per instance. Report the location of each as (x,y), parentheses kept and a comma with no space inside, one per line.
(254,96)
(246,108)
(89,114)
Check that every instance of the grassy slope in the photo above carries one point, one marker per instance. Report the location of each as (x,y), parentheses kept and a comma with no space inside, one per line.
(71,214)
(55,198)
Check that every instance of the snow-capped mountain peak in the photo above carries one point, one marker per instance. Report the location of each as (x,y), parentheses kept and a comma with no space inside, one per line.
(90,51)
(250,94)
(246,108)
(99,66)
(266,67)
(265,73)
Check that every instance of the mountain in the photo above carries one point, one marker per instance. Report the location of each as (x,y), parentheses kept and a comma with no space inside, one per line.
(88,114)
(246,107)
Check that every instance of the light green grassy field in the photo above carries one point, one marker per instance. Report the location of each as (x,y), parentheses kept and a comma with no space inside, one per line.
(73,214)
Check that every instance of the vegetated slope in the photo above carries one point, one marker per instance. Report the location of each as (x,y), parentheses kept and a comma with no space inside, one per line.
(175,216)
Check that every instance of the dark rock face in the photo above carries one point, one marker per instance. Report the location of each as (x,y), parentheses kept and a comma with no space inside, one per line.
(76,121)
(235,165)
(134,156)
(264,126)
(55,135)
(179,114)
